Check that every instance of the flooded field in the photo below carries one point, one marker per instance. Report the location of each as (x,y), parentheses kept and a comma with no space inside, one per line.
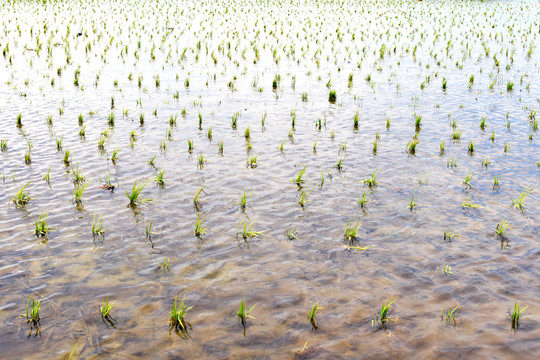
(350,169)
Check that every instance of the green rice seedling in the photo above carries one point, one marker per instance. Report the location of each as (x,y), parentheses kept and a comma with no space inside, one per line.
(201,161)
(21,197)
(342,147)
(449,235)
(200,230)
(97,226)
(418,122)
(363,200)
(82,132)
(468,178)
(190,146)
(70,357)
(110,120)
(149,229)
(446,270)
(312,316)
(243,200)
(456,135)
(451,163)
(501,228)
(453,123)
(209,134)
(101,142)
(332,135)
(291,135)
(332,96)
(506,147)
(78,176)
(302,200)
(247,230)
(304,96)
(178,314)
(135,193)
(151,162)
(200,121)
(509,86)
(290,234)
(444,84)
(322,178)
(351,230)
(383,315)
(32,310)
(114,156)
(486,162)
(518,202)
(3,145)
(315,147)
(411,146)
(516,315)
(496,183)
(249,146)
(471,147)
(47,176)
(483,122)
(339,164)
(441,148)
(371,181)
(252,161)
(105,308)
(81,119)
(159,177)
(388,122)
(451,315)
(66,157)
(141,119)
(78,191)
(356,120)
(19,120)
(243,314)
(375,144)
(28,157)
(220,148)
(49,120)
(41,225)
(298,179)
(234,120)
(468,205)
(197,196)
(412,203)
(165,265)
(281,145)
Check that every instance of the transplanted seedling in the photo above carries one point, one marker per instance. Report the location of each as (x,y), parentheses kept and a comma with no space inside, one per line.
(449,235)
(243,314)
(312,316)
(104,311)
(243,200)
(32,311)
(200,230)
(21,197)
(518,202)
(136,191)
(450,315)
(501,228)
(247,230)
(290,234)
(97,226)
(371,181)
(178,313)
(383,317)
(351,229)
(516,315)
(41,225)
(298,179)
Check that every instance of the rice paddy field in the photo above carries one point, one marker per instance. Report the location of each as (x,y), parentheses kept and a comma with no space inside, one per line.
(269,179)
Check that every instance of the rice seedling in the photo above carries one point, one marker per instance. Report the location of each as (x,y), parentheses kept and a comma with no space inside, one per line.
(447,270)
(209,134)
(501,228)
(332,135)
(302,200)
(41,225)
(483,122)
(280,147)
(234,120)
(243,314)
(496,185)
(110,119)
(388,122)
(220,148)
(19,120)
(516,315)
(243,200)
(518,202)
(159,177)
(371,181)
(451,315)
(486,162)
(444,84)
(351,230)
(82,132)
(28,157)
(441,147)
(97,226)
(197,196)
(456,135)
(383,317)
(363,200)
(78,176)
(509,86)
(165,265)
(32,310)
(201,161)
(81,119)
(135,193)
(471,147)
(3,145)
(304,96)
(105,308)
(312,316)
(468,205)
(418,122)
(21,197)
(290,234)
(200,121)
(200,230)
(298,179)
(412,202)
(356,120)
(149,229)
(411,146)
(252,162)
(339,164)
(449,235)
(468,178)
(78,191)
(66,157)
(506,147)
(247,230)
(332,96)
(151,162)
(178,314)
(47,177)
(451,163)
(190,146)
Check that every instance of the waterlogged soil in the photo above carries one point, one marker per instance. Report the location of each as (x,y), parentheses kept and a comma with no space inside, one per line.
(190,68)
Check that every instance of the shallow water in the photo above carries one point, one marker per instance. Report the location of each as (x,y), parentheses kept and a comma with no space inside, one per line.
(404,251)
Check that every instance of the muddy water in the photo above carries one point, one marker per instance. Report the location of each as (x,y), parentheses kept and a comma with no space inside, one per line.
(313,47)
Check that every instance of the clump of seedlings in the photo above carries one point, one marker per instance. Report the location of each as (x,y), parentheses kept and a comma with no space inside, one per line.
(243,200)
(290,234)
(312,316)
(32,311)
(243,314)
(104,311)
(351,230)
(78,191)
(21,197)
(298,179)
(200,230)
(518,202)
(178,313)
(383,317)
(247,230)
(516,315)
(450,317)
(41,225)
(501,228)
(97,226)
(449,236)
(135,193)
(371,181)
